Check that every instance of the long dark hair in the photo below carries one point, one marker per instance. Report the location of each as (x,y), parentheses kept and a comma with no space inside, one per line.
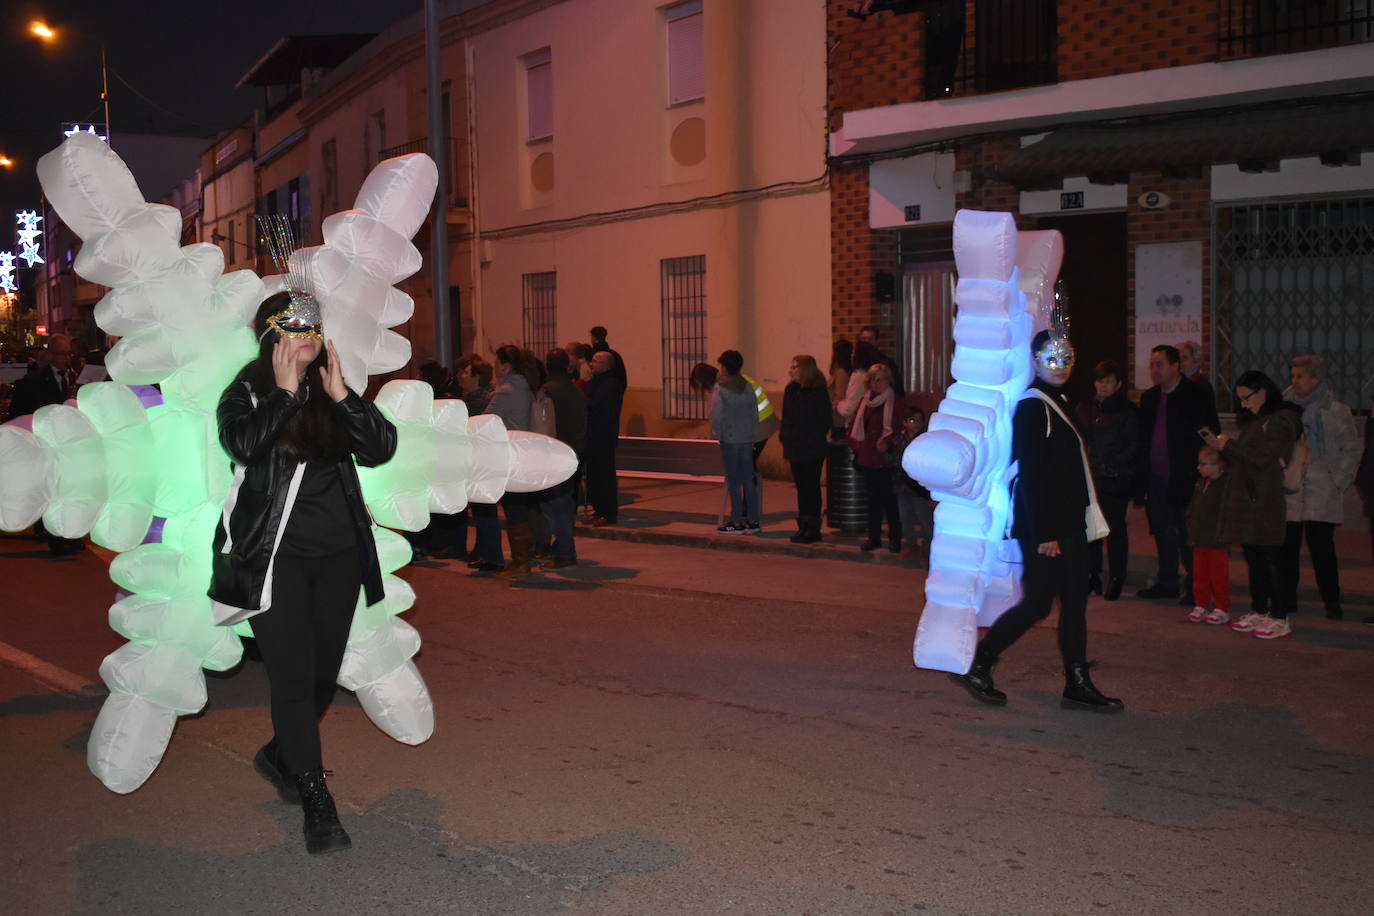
(865,355)
(522,362)
(842,356)
(313,433)
(1256,380)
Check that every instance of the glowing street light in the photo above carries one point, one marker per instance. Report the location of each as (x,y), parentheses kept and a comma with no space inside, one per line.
(5,161)
(42,30)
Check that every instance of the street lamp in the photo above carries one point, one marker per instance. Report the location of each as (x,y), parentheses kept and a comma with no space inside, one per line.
(5,161)
(47,34)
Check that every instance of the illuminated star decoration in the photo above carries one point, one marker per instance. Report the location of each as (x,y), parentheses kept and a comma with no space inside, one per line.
(29,232)
(76,129)
(7,272)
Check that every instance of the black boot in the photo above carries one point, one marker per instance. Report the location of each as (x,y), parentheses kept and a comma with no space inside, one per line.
(1113,591)
(801,530)
(978,681)
(269,765)
(1094,584)
(1080,693)
(811,529)
(323,832)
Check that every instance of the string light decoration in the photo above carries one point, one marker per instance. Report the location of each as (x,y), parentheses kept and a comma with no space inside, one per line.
(7,283)
(29,232)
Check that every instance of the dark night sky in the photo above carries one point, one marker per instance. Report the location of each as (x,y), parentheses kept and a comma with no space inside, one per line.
(183,56)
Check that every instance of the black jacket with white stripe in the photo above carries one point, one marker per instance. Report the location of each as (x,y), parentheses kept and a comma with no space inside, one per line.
(264,489)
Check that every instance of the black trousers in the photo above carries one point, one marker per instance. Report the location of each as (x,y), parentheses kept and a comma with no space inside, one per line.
(1270,591)
(603,491)
(1321,544)
(882,501)
(1118,542)
(302,638)
(1169,525)
(807,476)
(1045,578)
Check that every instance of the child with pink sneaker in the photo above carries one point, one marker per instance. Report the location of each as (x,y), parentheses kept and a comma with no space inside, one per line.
(1211,558)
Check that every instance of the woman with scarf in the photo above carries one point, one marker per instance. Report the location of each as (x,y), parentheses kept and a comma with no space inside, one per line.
(872,434)
(1329,431)
(1050,501)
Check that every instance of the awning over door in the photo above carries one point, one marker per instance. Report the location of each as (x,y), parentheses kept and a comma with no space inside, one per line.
(1110,152)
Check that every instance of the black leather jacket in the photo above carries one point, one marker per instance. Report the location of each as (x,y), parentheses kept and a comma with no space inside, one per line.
(257,504)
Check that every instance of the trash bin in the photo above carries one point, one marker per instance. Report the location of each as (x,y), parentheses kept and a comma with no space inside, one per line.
(846,501)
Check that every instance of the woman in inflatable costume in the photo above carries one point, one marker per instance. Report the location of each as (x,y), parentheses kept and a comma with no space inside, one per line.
(294,546)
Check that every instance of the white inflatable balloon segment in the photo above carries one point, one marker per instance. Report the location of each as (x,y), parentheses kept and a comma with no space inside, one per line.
(964,458)
(109,466)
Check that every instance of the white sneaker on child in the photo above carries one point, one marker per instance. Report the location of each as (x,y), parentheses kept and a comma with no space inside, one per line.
(1273,629)
(1217,617)
(1197,615)
(1249,622)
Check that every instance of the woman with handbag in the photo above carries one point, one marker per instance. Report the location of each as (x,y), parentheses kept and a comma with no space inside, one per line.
(873,434)
(1055,515)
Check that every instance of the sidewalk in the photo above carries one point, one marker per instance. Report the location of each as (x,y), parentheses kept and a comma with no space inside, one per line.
(684,513)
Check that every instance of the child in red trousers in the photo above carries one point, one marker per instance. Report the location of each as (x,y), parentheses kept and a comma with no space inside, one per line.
(1211,559)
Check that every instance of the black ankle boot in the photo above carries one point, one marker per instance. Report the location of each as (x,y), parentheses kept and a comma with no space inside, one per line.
(978,681)
(1080,693)
(1113,591)
(801,530)
(1094,584)
(269,765)
(323,832)
(811,529)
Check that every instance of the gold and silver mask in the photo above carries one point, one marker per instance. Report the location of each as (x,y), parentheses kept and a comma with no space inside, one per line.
(301,318)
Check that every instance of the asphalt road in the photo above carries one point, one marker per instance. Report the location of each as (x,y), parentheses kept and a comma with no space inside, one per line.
(669,730)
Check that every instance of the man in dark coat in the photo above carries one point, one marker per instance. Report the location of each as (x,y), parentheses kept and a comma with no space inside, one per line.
(605,396)
(1171,414)
(48,382)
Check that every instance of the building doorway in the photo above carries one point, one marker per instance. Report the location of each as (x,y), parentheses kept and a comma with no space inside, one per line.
(1094,272)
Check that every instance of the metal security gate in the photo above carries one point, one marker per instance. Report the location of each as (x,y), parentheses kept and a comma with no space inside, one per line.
(1291,278)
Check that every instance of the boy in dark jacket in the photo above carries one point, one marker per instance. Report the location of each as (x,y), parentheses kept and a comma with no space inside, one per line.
(1211,558)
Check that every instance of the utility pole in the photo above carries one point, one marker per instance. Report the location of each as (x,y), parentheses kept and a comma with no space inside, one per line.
(438,151)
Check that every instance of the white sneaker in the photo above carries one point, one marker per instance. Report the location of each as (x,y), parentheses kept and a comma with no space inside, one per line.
(1273,629)
(1249,622)
(1217,617)
(1197,615)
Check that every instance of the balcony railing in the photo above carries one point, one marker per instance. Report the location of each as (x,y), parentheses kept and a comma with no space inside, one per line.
(457,165)
(1009,44)
(1247,28)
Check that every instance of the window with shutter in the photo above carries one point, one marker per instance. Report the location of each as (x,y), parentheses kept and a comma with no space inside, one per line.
(539,95)
(686,53)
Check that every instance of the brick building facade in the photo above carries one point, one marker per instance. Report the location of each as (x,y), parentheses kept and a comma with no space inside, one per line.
(1214,140)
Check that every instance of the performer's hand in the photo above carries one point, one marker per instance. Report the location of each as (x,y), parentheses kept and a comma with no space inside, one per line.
(332,373)
(284,365)
(1049,549)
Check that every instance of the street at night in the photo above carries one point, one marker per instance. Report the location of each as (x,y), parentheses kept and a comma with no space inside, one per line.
(675,730)
(653,457)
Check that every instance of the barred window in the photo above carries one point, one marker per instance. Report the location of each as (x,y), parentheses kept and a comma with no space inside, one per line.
(540,309)
(683,293)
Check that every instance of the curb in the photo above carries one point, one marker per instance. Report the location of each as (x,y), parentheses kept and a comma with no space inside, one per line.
(744,543)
